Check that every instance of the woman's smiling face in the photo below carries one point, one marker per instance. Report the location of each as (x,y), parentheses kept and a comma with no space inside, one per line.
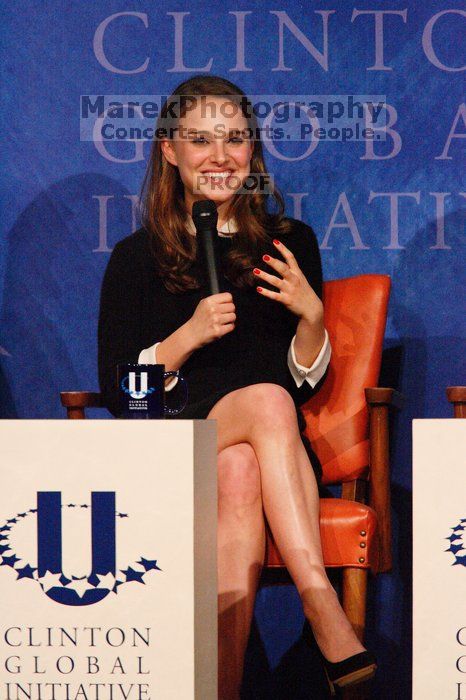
(212,151)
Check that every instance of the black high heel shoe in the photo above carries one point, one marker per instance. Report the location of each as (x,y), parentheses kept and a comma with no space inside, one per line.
(355,669)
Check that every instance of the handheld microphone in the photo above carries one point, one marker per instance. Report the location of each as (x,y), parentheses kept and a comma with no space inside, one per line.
(205,219)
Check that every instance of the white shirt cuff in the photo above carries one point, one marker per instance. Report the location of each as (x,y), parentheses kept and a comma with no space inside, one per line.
(148,356)
(314,373)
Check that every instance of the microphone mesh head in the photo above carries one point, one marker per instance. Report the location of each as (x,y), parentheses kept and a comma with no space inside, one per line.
(205,214)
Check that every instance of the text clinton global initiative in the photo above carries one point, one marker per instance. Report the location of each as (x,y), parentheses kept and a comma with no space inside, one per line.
(75,663)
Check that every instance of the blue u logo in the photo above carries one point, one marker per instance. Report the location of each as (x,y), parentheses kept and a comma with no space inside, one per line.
(49,544)
(104,578)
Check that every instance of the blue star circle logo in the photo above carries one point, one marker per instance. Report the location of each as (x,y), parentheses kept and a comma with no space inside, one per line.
(70,590)
(457,540)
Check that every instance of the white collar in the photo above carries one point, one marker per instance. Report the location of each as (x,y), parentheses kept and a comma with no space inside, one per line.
(224,231)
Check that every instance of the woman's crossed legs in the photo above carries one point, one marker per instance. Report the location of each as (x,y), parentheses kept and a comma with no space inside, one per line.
(263,467)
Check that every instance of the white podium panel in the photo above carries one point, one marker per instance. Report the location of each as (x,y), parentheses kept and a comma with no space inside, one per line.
(439,595)
(108,574)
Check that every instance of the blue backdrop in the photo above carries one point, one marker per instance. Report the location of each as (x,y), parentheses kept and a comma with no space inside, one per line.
(396,208)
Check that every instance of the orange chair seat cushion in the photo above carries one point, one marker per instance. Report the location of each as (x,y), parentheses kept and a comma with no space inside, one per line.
(348,531)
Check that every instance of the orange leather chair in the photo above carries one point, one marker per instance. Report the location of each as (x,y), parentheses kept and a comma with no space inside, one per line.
(347,424)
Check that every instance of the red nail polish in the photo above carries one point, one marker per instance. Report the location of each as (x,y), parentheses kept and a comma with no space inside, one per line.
(276,242)
(266,258)
(259,289)
(256,271)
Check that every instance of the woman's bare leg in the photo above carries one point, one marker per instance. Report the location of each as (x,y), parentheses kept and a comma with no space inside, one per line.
(241,545)
(265,416)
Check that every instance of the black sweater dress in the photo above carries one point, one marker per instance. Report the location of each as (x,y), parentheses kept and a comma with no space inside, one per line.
(136,311)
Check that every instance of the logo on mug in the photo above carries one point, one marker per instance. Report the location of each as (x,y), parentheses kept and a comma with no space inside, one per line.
(47,569)
(128,385)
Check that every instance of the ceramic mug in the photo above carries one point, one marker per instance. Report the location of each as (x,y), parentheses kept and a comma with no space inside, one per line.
(142,391)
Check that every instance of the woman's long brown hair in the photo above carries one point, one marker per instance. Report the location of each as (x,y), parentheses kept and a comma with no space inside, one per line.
(163,209)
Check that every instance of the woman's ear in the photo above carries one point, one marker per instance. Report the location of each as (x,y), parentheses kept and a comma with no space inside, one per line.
(168,151)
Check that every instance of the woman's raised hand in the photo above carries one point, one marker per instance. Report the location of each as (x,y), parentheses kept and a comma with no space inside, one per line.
(293,289)
(213,318)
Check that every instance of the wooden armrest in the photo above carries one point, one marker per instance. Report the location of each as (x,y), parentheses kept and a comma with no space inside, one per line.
(457,396)
(379,400)
(81,399)
(379,396)
(76,402)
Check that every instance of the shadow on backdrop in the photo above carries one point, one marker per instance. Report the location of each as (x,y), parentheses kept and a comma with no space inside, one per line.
(51,294)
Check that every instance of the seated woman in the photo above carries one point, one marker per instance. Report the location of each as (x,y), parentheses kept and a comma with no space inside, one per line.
(251,354)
